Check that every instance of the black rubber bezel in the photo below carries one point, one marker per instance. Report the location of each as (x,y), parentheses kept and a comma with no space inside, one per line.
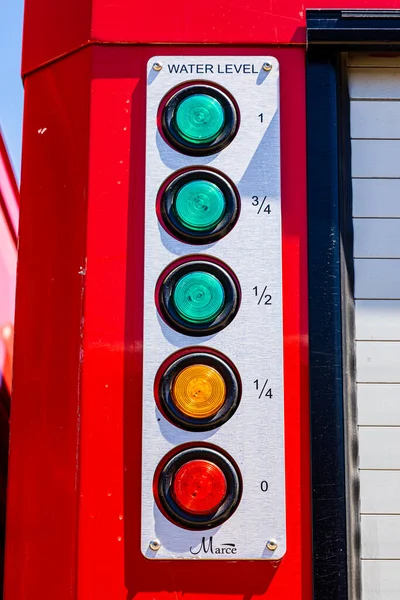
(188,520)
(232,384)
(202,149)
(171,221)
(171,316)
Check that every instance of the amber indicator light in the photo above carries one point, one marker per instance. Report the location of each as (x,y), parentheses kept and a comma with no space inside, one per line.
(199,391)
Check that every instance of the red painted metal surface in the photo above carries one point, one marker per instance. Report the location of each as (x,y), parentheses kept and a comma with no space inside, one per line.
(53,29)
(43,491)
(9,192)
(74,494)
(9,212)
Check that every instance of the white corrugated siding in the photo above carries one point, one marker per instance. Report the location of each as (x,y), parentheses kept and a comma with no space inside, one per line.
(374,84)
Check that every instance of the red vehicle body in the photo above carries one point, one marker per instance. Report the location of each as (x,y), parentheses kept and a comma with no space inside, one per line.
(74,490)
(9,212)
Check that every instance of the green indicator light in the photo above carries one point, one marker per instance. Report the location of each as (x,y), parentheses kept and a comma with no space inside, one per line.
(198,297)
(199,118)
(199,205)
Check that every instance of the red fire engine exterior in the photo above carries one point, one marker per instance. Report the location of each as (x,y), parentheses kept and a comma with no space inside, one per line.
(74,493)
(74,488)
(9,209)
(54,30)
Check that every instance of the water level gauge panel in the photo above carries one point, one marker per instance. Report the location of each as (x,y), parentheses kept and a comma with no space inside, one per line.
(213,476)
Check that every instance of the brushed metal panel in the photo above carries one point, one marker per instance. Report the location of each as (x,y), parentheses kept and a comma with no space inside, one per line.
(254,436)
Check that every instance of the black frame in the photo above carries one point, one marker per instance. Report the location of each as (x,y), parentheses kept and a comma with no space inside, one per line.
(330,550)
(354,29)
(334,440)
(331,311)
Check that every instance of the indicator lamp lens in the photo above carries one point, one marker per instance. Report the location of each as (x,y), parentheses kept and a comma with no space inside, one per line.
(200,205)
(198,297)
(199,391)
(199,487)
(199,118)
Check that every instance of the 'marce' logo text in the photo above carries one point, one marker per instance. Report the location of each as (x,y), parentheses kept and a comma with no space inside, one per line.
(208,548)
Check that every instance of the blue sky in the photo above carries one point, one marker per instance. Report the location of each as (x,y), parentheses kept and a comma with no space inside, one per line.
(11,91)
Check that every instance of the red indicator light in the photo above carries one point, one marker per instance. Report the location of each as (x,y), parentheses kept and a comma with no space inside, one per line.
(199,487)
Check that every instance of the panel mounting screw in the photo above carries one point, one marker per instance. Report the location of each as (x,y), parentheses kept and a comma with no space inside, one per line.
(267,66)
(272,544)
(155,545)
(157,66)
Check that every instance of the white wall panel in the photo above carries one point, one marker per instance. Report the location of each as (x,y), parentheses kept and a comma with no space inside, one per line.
(377,319)
(379,404)
(374,86)
(377,278)
(380,536)
(376,238)
(380,492)
(375,119)
(375,158)
(381,579)
(379,448)
(378,198)
(374,83)
(378,362)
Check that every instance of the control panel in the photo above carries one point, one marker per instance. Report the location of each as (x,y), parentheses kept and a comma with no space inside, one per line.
(213,469)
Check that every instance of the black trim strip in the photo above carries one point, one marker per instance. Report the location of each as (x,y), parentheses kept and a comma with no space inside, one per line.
(326,158)
(349,28)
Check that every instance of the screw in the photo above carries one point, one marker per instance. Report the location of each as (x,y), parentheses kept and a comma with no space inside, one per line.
(155,545)
(272,544)
(267,66)
(157,66)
